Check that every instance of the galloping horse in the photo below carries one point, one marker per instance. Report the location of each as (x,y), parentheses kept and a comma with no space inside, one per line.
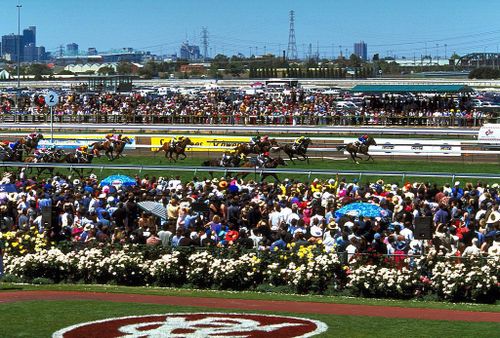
(353,149)
(257,148)
(178,149)
(233,162)
(273,163)
(300,150)
(120,146)
(106,146)
(86,159)
(29,143)
(57,156)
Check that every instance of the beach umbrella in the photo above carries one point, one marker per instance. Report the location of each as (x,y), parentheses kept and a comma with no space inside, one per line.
(8,188)
(360,209)
(119,180)
(154,208)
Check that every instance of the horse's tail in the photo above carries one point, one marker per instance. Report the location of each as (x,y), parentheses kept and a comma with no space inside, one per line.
(342,147)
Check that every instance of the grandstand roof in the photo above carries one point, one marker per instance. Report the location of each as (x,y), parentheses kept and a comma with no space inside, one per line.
(411,88)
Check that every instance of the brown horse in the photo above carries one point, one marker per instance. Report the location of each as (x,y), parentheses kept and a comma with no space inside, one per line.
(120,146)
(178,149)
(29,143)
(273,163)
(300,150)
(257,148)
(353,149)
(106,146)
(73,159)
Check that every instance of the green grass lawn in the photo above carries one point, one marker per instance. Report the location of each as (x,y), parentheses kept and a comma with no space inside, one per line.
(184,292)
(334,165)
(42,318)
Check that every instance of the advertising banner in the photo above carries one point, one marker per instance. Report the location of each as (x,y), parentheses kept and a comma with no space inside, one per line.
(74,141)
(212,143)
(402,147)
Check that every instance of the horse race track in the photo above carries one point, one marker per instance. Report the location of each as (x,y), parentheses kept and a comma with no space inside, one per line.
(46,311)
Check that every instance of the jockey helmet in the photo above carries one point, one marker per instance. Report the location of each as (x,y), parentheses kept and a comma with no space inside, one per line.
(266,153)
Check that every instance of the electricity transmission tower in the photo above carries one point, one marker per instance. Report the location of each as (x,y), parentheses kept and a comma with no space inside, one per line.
(292,44)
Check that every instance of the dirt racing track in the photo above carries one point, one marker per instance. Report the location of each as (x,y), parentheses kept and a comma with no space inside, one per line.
(259,305)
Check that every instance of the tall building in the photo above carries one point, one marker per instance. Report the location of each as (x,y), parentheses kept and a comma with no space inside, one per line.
(360,50)
(30,53)
(41,53)
(91,51)
(72,49)
(29,36)
(190,52)
(9,47)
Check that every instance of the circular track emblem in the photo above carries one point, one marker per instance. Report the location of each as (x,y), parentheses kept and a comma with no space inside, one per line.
(187,325)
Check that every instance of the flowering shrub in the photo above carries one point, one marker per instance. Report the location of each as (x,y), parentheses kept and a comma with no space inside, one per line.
(168,270)
(198,269)
(372,280)
(240,273)
(304,269)
(51,264)
(20,242)
(466,281)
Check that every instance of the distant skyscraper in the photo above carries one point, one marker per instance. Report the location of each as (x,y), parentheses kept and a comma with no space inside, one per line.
(41,54)
(190,52)
(72,49)
(91,51)
(29,36)
(9,46)
(360,50)
(30,53)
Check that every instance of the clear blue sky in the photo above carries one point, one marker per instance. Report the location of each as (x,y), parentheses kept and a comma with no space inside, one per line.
(388,27)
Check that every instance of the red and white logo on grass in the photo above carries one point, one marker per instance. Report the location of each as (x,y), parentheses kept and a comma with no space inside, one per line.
(187,325)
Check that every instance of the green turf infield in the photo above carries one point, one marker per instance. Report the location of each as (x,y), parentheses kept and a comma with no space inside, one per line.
(252,295)
(42,318)
(422,165)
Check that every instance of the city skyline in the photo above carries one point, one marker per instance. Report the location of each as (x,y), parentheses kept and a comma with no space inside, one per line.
(388,27)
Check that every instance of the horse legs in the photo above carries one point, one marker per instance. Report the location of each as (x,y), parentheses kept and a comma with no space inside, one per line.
(353,156)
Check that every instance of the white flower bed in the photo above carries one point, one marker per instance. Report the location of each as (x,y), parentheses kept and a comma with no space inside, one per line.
(303,271)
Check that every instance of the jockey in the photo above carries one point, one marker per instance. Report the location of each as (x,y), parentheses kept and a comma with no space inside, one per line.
(254,140)
(32,136)
(40,154)
(362,139)
(175,140)
(225,160)
(82,152)
(298,142)
(117,138)
(264,139)
(263,159)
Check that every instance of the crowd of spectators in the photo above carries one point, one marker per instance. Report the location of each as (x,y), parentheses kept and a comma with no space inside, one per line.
(269,107)
(263,216)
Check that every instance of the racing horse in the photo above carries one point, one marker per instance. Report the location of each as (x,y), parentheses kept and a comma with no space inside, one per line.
(106,146)
(178,149)
(300,150)
(120,146)
(73,159)
(257,148)
(57,156)
(29,143)
(232,162)
(273,163)
(353,149)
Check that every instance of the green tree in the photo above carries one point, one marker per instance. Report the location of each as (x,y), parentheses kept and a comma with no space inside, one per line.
(124,67)
(355,61)
(106,70)
(484,73)
(235,68)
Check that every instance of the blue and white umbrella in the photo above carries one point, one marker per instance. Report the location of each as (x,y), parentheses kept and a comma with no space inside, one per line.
(119,180)
(8,188)
(360,209)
